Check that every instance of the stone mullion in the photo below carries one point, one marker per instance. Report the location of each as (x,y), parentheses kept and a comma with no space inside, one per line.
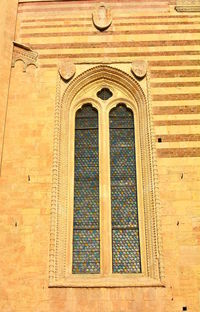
(105,197)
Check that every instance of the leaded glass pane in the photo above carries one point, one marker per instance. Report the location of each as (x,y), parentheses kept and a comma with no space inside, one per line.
(126,252)
(86,240)
(86,251)
(125,231)
(104,94)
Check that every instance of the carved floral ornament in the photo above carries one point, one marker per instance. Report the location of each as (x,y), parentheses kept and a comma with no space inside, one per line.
(102,17)
(68,99)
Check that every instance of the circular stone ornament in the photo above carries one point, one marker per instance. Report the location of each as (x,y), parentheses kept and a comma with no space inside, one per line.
(67,70)
(102,18)
(139,68)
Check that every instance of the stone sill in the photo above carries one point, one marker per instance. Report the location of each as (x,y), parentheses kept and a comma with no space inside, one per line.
(116,280)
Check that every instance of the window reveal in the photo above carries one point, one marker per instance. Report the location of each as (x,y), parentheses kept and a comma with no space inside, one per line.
(86,236)
(125,231)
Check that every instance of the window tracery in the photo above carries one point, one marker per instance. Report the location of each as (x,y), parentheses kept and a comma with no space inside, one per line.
(81,90)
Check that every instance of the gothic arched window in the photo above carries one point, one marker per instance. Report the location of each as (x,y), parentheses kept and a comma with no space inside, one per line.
(104,219)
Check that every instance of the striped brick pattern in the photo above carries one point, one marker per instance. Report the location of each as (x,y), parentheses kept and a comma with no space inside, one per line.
(154,31)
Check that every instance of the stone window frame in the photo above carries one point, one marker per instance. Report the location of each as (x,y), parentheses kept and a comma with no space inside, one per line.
(82,90)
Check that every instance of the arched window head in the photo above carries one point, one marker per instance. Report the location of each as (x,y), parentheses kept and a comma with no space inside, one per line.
(104,200)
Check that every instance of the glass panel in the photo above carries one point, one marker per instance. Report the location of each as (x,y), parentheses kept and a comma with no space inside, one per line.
(126,252)
(104,94)
(125,231)
(86,234)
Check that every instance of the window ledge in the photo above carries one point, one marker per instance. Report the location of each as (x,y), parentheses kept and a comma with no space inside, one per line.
(109,281)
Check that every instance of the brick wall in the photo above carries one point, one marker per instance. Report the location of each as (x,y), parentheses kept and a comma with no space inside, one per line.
(169,41)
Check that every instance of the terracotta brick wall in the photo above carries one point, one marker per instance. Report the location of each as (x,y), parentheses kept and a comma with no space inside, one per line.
(7,33)
(169,41)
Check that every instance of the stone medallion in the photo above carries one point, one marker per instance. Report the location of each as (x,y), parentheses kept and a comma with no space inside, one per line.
(66,69)
(102,17)
(139,68)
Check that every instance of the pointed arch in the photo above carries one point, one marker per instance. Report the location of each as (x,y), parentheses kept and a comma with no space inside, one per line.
(75,95)
(104,74)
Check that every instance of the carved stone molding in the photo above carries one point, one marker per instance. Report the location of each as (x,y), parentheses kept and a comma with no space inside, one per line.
(102,17)
(66,105)
(25,54)
(187,6)
(139,68)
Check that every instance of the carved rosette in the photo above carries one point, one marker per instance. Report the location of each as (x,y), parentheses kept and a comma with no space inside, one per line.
(102,18)
(66,70)
(25,54)
(139,68)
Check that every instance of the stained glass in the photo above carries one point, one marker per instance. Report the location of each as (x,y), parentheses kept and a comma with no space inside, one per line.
(125,231)
(86,239)
(86,252)
(104,94)
(126,252)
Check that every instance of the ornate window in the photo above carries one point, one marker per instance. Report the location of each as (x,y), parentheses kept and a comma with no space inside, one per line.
(104,212)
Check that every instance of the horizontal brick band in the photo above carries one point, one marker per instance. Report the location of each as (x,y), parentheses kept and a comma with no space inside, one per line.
(90,7)
(178,152)
(48,65)
(175,73)
(160,16)
(110,55)
(176,97)
(116,24)
(172,110)
(106,44)
(179,137)
(176,122)
(122,32)
(175,84)
(175,63)
(81,2)
(177,17)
